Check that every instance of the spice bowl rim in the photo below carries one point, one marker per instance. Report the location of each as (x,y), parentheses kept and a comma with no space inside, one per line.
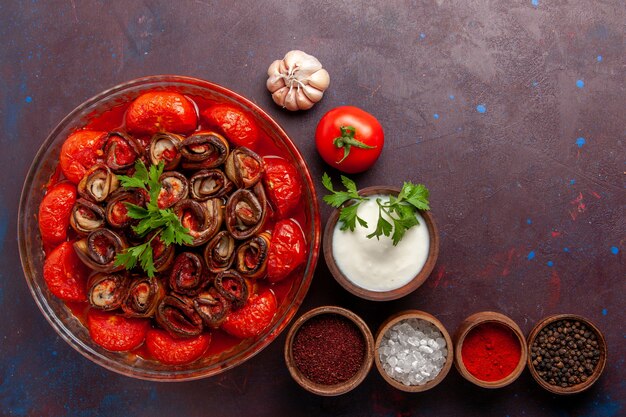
(409,287)
(342,387)
(583,386)
(478,319)
(422,315)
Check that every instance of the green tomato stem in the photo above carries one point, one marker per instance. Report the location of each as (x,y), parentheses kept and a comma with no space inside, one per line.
(347,141)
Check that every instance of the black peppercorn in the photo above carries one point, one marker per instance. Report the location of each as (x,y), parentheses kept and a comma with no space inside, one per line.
(565,353)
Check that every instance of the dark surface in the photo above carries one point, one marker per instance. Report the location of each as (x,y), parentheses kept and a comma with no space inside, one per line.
(531,216)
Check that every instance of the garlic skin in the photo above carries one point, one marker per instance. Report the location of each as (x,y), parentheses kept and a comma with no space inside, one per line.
(297,81)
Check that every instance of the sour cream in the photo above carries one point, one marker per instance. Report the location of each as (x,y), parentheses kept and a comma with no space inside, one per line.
(375,264)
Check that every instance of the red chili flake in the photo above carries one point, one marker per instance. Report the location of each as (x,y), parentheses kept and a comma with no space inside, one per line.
(328,349)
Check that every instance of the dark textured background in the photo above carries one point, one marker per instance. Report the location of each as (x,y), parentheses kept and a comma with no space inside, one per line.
(529,194)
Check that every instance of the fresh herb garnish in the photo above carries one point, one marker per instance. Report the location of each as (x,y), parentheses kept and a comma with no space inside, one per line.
(152,218)
(400,210)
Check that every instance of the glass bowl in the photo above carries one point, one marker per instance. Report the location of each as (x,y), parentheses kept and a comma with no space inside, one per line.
(60,316)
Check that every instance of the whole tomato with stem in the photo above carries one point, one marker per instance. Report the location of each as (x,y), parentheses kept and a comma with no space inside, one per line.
(80,151)
(349,139)
(233,122)
(54,213)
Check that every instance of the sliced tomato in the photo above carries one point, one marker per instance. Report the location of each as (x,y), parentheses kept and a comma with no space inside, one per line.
(114,332)
(65,274)
(54,213)
(252,318)
(238,127)
(164,348)
(282,184)
(287,250)
(80,151)
(161,111)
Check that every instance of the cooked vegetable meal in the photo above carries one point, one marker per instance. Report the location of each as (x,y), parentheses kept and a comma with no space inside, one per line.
(171,227)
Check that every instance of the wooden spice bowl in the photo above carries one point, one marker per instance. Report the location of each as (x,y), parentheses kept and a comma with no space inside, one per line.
(413,314)
(342,387)
(412,285)
(476,320)
(599,366)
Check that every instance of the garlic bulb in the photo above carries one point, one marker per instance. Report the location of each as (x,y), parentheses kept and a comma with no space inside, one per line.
(297,81)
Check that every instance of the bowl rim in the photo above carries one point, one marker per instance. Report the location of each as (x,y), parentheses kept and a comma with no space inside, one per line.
(342,387)
(422,315)
(478,319)
(406,289)
(175,374)
(583,386)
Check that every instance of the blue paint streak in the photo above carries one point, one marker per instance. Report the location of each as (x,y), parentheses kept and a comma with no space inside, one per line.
(550,264)
(422,35)
(572,182)
(607,408)
(528,221)
(580,142)
(4,224)
(534,2)
(436,116)
(28,99)
(599,58)
(580,83)
(614,250)
(605,311)
(566,250)
(481,108)
(451,97)
(531,255)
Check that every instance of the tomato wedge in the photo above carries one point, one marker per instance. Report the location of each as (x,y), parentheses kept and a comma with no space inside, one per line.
(234,123)
(252,318)
(161,111)
(54,213)
(114,332)
(164,348)
(65,274)
(80,151)
(287,250)
(282,184)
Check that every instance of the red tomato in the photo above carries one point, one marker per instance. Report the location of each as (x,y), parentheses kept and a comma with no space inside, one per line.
(349,139)
(252,318)
(54,213)
(161,111)
(238,127)
(282,184)
(287,250)
(164,348)
(114,332)
(80,151)
(65,274)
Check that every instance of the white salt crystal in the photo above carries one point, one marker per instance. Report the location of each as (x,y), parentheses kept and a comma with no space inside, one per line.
(413,352)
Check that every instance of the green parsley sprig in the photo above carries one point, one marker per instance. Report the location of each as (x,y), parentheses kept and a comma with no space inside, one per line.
(401,209)
(163,222)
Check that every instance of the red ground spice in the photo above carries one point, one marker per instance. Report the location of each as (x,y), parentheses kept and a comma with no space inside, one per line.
(328,349)
(491,352)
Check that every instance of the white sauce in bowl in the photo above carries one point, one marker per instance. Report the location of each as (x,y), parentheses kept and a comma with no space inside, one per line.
(375,264)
